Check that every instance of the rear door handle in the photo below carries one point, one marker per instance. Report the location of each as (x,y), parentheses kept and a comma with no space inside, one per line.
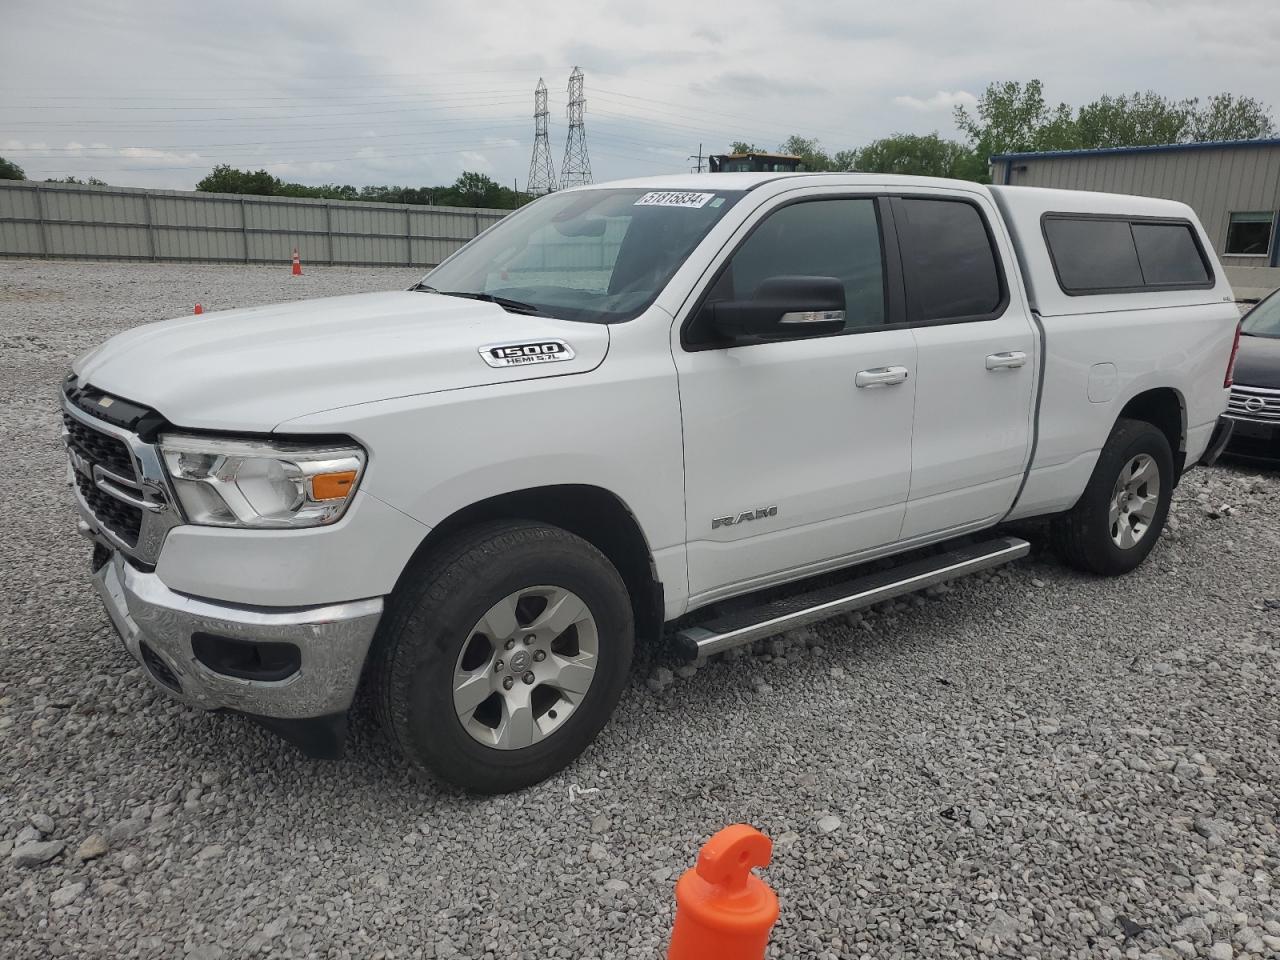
(880,377)
(1009,360)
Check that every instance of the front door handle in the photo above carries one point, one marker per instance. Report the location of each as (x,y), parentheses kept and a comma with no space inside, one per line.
(1010,360)
(880,377)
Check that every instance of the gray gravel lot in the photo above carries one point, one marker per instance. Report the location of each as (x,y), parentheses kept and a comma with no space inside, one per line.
(1030,764)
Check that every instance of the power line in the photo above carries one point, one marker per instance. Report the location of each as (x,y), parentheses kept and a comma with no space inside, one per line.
(288,116)
(277,163)
(356,138)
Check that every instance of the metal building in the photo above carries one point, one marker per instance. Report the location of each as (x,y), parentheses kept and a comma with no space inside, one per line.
(1234,187)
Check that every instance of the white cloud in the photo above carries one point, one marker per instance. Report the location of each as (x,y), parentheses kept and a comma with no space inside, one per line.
(946,100)
(152,155)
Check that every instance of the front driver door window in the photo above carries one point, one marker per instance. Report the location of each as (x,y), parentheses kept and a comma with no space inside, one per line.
(827,238)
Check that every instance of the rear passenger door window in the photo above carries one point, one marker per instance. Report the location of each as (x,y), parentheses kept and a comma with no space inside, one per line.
(948,259)
(837,238)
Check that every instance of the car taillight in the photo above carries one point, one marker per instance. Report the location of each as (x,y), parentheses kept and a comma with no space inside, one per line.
(1231,364)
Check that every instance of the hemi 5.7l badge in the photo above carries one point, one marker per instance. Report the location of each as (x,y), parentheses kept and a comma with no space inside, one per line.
(523,354)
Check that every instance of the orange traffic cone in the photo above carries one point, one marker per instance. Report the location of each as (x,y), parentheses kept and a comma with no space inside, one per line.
(199,309)
(723,910)
(297,263)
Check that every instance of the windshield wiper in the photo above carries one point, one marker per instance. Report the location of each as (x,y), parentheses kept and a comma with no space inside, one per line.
(506,303)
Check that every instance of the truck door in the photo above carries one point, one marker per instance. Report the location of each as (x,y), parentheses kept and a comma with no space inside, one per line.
(798,446)
(976,362)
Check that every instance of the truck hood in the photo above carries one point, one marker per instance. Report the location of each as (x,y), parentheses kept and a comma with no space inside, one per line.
(255,368)
(1258,362)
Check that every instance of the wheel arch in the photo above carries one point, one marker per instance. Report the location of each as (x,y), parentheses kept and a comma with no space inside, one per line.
(1164,408)
(593,513)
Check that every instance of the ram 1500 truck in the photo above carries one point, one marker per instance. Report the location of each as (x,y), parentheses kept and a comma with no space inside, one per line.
(613,411)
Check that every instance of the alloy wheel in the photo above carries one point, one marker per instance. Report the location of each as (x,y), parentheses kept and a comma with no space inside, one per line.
(525,667)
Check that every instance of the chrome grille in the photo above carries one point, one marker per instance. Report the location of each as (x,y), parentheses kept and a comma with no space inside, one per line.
(120,485)
(1254,403)
(122,519)
(97,447)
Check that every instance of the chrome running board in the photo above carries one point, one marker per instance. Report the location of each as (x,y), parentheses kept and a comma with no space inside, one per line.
(736,629)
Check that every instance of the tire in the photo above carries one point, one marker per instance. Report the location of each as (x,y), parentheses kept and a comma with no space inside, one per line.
(1092,536)
(436,637)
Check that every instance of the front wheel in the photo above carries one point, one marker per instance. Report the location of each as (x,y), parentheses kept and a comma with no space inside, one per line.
(1118,519)
(503,655)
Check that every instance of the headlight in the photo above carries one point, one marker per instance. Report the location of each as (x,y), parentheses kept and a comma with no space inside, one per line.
(253,483)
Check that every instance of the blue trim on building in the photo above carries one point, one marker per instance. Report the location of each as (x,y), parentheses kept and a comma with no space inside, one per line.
(1156,148)
(1274,259)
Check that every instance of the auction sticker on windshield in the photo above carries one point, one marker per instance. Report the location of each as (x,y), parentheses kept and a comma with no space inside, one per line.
(667,198)
(523,354)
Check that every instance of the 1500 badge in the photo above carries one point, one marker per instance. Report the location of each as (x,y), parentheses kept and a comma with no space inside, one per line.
(523,354)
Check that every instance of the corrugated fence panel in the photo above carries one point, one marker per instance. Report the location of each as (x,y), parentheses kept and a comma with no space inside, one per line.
(74,220)
(429,252)
(369,220)
(22,238)
(96,241)
(19,202)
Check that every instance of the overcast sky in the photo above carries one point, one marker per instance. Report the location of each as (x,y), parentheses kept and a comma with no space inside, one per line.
(387,91)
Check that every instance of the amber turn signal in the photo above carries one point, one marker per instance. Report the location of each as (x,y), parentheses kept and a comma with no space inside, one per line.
(332,486)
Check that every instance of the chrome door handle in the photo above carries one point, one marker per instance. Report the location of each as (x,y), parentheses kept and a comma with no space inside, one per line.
(1009,360)
(880,377)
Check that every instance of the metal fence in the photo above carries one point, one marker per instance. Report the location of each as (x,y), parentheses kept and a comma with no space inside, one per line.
(67,220)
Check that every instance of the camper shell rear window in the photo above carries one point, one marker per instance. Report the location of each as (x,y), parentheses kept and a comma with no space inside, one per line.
(1094,254)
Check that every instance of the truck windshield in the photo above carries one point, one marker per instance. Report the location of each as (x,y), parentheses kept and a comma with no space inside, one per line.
(600,256)
(1264,319)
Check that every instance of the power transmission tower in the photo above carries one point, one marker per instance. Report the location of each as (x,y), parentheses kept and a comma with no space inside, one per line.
(542,179)
(576,168)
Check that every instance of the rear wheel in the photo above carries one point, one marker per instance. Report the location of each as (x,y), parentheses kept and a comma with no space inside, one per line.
(1118,519)
(503,655)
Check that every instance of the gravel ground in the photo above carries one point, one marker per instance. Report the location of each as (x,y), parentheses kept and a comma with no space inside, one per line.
(1030,764)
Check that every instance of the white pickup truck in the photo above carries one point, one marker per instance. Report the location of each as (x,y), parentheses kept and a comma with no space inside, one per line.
(618,408)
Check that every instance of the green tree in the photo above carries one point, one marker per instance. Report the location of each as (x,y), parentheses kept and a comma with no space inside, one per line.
(927,156)
(808,150)
(741,146)
(470,189)
(476,190)
(844,160)
(1132,120)
(10,170)
(1227,117)
(227,179)
(1011,117)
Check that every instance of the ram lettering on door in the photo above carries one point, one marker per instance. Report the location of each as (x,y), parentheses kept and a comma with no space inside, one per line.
(758,514)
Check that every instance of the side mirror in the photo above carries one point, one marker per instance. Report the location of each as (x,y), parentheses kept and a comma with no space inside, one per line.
(782,307)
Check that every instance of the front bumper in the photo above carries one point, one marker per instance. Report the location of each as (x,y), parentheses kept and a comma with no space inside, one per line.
(157,626)
(1255,438)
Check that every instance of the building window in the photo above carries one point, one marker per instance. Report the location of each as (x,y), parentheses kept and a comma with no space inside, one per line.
(1249,234)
